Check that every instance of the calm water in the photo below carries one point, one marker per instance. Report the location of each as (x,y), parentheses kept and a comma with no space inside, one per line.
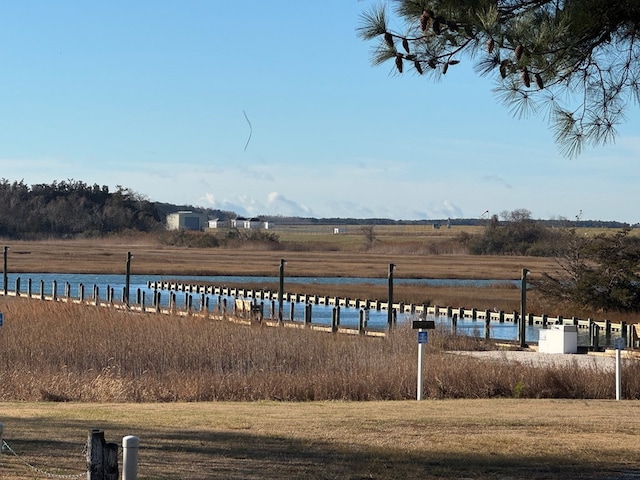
(321,313)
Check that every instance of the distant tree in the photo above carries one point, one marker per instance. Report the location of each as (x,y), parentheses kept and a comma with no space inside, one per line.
(516,234)
(370,236)
(599,272)
(577,58)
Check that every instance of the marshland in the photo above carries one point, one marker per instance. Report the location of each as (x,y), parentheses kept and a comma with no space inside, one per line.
(222,400)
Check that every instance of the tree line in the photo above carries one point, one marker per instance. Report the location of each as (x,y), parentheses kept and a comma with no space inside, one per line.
(72,208)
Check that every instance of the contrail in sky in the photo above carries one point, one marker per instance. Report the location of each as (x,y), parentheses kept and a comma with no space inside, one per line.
(250,130)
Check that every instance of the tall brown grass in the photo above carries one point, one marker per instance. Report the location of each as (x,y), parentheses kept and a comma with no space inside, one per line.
(64,352)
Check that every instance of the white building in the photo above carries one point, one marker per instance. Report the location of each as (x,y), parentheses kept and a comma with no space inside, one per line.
(186,220)
(248,223)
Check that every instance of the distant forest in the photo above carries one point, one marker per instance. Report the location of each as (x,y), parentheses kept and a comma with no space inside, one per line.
(71,208)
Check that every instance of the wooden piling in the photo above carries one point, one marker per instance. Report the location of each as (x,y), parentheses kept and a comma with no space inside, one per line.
(102,457)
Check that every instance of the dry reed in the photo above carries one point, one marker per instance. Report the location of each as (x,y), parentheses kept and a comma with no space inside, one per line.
(66,352)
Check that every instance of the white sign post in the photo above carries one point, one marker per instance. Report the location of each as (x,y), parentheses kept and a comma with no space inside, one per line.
(422,326)
(618,344)
(423,336)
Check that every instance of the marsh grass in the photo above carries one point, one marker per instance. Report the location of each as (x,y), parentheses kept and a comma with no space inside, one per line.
(66,352)
(109,255)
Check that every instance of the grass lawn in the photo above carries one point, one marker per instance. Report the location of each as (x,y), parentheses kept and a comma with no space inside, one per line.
(479,439)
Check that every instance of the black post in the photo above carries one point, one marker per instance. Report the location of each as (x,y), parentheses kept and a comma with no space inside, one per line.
(5,273)
(281,289)
(390,309)
(126,283)
(523,309)
(102,457)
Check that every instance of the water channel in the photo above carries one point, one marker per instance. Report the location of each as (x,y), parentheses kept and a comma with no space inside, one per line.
(322,314)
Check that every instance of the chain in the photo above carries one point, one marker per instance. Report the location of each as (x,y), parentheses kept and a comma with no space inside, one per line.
(5,446)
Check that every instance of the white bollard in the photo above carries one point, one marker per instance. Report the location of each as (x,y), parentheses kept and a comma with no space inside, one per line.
(130,446)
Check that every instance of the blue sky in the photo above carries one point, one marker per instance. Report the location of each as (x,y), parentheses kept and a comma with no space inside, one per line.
(151,95)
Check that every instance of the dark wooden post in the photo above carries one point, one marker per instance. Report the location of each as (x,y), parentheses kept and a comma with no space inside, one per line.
(392,266)
(362,321)
(595,337)
(29,288)
(307,314)
(127,279)
(523,309)
(102,457)
(17,286)
(281,289)
(5,273)
(487,325)
(335,319)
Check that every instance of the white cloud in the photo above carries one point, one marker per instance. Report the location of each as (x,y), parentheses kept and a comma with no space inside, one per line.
(279,205)
(446,209)
(495,179)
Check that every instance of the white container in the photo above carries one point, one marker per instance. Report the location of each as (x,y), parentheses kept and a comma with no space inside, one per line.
(559,339)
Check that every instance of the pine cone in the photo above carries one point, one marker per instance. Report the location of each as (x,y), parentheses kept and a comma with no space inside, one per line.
(405,45)
(525,77)
(417,66)
(539,81)
(490,45)
(389,39)
(519,51)
(424,21)
(437,26)
(445,67)
(503,68)
(399,62)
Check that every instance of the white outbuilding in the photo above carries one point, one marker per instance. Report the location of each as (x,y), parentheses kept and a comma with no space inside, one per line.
(186,220)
